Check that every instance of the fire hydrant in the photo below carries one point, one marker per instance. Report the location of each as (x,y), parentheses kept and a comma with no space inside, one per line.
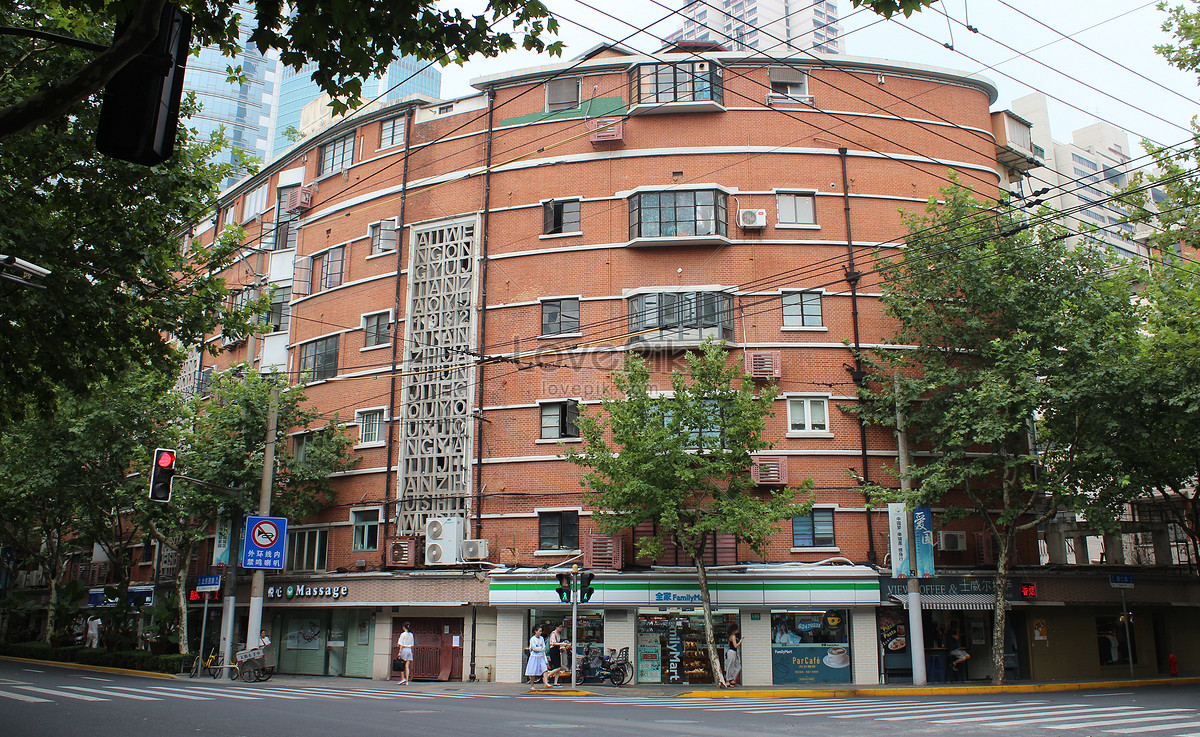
(1173,665)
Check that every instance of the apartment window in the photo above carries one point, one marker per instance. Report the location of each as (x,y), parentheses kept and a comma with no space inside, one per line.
(279,318)
(678,213)
(366,529)
(391,132)
(808,414)
(681,316)
(383,236)
(684,82)
(300,446)
(256,201)
(558,530)
(306,550)
(285,234)
(370,426)
(559,419)
(796,209)
(802,309)
(562,94)
(813,530)
(318,359)
(337,155)
(560,216)
(378,328)
(560,316)
(331,267)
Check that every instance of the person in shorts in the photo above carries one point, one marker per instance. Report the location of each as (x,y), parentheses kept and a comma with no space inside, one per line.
(406,642)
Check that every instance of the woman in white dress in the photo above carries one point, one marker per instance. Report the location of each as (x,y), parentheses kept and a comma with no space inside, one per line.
(537,657)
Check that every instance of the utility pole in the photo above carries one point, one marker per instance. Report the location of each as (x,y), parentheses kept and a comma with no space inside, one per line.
(916,627)
(258,578)
(575,624)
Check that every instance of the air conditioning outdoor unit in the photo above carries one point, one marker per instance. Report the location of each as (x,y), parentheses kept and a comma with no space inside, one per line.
(474,550)
(952,542)
(769,470)
(752,218)
(606,129)
(299,199)
(402,552)
(764,364)
(443,540)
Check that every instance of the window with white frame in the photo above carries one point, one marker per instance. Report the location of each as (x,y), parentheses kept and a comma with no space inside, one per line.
(285,233)
(682,82)
(789,81)
(378,329)
(319,359)
(796,208)
(558,530)
(802,309)
(688,212)
(391,132)
(256,201)
(681,316)
(366,529)
(370,426)
(383,236)
(307,550)
(280,315)
(814,530)
(560,316)
(560,216)
(336,155)
(559,419)
(808,414)
(562,94)
(332,264)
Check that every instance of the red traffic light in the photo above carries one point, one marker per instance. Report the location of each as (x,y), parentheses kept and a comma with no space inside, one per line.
(164,458)
(162,472)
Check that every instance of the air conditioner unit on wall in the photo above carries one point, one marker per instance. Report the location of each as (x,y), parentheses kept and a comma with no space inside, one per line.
(299,199)
(752,218)
(764,364)
(443,540)
(402,552)
(769,470)
(474,550)
(952,542)
(606,129)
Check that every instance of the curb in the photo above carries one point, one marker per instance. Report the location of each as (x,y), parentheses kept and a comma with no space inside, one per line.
(94,668)
(760,693)
(558,692)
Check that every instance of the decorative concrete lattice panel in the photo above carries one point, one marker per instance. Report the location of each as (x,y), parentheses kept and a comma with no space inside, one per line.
(436,427)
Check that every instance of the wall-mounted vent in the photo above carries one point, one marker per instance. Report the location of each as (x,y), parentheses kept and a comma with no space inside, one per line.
(769,470)
(606,129)
(402,552)
(604,551)
(764,364)
(299,199)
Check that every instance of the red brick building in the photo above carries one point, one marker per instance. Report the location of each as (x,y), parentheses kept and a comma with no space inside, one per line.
(456,279)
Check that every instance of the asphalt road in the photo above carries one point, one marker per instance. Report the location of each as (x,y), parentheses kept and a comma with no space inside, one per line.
(37,700)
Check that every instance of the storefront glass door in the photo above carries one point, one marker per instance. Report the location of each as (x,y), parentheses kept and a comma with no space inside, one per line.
(671,646)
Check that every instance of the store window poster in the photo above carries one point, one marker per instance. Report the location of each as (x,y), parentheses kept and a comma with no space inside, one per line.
(810,647)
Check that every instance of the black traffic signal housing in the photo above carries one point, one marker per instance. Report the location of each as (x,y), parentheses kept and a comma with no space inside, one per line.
(139,113)
(585,585)
(162,473)
(564,588)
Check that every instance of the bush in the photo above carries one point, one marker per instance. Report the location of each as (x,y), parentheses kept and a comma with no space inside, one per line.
(129,659)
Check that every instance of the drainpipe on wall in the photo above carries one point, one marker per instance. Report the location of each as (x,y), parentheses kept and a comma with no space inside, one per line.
(391,411)
(856,372)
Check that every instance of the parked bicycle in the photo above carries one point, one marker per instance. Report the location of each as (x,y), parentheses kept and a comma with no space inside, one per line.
(613,667)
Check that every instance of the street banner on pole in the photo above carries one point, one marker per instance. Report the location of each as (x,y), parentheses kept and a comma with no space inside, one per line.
(221,543)
(898,540)
(923,541)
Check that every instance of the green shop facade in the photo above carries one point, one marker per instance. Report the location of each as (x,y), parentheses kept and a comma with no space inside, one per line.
(799,623)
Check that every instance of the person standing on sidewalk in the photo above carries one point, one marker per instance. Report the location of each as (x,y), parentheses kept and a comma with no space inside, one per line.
(556,657)
(406,642)
(733,657)
(537,657)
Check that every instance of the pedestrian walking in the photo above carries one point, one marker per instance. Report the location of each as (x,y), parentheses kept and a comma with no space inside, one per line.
(733,657)
(93,631)
(406,642)
(537,657)
(557,658)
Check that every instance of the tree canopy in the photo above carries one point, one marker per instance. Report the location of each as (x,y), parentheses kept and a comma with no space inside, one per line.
(681,459)
(1015,340)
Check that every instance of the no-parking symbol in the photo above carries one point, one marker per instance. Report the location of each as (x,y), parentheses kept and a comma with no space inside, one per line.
(265,542)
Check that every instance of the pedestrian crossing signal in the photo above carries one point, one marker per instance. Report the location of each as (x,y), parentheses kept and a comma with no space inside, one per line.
(585,585)
(162,473)
(564,588)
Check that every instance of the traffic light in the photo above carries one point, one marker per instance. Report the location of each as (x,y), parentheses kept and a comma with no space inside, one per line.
(564,587)
(139,113)
(585,585)
(162,472)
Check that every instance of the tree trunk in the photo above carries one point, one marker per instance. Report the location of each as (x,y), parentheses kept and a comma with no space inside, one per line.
(713,658)
(51,613)
(181,577)
(999,609)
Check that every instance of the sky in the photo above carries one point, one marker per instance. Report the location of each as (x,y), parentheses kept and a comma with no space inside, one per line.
(1094,59)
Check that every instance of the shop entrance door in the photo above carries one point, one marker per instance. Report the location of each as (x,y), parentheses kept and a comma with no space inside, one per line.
(438,654)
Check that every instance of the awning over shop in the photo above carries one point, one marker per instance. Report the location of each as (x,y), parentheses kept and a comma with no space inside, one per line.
(956,602)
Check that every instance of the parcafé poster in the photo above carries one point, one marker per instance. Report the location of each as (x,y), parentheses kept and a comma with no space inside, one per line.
(810,647)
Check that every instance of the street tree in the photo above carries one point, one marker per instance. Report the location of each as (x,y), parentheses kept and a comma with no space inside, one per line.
(223,447)
(681,459)
(1014,340)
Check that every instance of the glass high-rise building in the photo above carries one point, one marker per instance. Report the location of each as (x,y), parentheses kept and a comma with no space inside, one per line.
(770,26)
(246,109)
(405,76)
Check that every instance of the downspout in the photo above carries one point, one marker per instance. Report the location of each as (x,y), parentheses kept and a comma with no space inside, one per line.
(856,373)
(391,416)
(482,334)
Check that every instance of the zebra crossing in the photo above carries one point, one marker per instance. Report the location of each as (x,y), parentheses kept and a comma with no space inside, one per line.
(99,691)
(1098,718)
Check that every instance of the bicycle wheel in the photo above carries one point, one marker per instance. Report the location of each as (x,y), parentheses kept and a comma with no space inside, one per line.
(265,674)
(250,674)
(616,674)
(628,678)
(214,669)
(235,672)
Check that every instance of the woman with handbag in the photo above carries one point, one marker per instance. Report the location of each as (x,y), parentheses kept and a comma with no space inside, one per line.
(406,642)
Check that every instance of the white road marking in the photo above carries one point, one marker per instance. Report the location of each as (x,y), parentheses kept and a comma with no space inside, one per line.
(1156,728)
(64,694)
(23,697)
(1097,713)
(1026,714)
(178,693)
(135,697)
(1132,720)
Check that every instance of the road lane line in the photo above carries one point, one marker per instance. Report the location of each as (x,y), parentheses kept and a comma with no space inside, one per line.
(928,711)
(1156,728)
(134,697)
(1114,711)
(64,694)
(1131,720)
(177,693)
(24,697)
(1021,712)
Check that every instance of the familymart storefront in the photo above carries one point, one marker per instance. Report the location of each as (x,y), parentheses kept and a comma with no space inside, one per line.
(799,624)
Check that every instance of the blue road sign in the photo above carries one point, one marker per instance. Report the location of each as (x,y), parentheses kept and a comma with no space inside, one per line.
(264,543)
(1120,580)
(208,583)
